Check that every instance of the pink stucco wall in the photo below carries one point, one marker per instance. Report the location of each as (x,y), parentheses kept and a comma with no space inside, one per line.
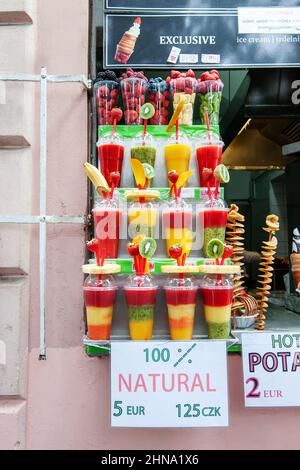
(69,394)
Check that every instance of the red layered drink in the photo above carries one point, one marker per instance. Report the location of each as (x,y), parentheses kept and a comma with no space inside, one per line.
(181,297)
(209,156)
(212,220)
(99,297)
(217,297)
(177,226)
(140,296)
(110,156)
(107,219)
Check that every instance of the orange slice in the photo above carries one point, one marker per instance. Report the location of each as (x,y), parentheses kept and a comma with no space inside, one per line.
(176,114)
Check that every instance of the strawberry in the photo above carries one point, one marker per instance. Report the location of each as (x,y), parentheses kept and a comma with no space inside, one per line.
(103,91)
(216,73)
(190,73)
(188,91)
(166,103)
(114,94)
(168,79)
(179,84)
(228,251)
(173,176)
(115,178)
(165,112)
(205,76)
(142,100)
(133,249)
(131,115)
(130,103)
(175,74)
(117,113)
(202,87)
(93,245)
(175,251)
(163,121)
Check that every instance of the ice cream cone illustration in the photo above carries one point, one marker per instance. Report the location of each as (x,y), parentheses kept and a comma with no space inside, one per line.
(126,44)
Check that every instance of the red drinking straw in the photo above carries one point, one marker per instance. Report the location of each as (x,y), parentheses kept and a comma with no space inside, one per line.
(208,126)
(113,130)
(145,131)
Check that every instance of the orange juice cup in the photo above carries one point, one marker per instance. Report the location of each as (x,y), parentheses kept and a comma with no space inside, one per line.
(177,154)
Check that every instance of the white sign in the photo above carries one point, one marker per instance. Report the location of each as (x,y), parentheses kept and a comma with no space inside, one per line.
(210,58)
(269,20)
(189,58)
(169,384)
(271,363)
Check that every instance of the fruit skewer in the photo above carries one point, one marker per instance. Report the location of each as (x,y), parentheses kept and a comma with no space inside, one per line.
(268,251)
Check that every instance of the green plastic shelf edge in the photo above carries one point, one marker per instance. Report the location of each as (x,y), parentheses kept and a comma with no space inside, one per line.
(128,132)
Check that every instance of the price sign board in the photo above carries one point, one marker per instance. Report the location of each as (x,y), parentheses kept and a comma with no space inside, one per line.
(271,364)
(169,384)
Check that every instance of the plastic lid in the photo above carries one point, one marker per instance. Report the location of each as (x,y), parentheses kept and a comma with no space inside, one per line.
(140,141)
(107,138)
(148,194)
(203,139)
(219,269)
(182,139)
(143,281)
(167,269)
(213,203)
(106,269)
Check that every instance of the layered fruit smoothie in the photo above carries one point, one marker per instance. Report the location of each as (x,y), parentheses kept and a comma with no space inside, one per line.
(158,96)
(99,301)
(177,157)
(110,159)
(142,219)
(181,303)
(217,302)
(107,220)
(208,158)
(177,225)
(213,222)
(140,304)
(210,88)
(145,154)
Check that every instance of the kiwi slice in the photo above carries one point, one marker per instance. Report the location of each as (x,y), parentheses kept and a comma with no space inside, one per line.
(147,247)
(222,174)
(147,111)
(215,248)
(149,171)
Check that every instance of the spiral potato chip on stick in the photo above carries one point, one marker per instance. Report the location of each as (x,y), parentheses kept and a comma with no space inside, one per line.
(234,237)
(266,269)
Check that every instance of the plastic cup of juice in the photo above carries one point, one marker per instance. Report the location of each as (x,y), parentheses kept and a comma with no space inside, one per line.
(212,220)
(142,219)
(140,294)
(217,294)
(177,154)
(107,220)
(143,148)
(209,156)
(110,155)
(181,295)
(99,297)
(177,225)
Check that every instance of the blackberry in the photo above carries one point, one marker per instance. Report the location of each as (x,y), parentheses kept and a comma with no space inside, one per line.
(110,75)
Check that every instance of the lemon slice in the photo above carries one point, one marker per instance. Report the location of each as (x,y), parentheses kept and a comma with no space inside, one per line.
(173,269)
(142,193)
(176,114)
(138,171)
(106,269)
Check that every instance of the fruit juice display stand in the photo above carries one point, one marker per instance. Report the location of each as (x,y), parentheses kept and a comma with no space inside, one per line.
(191,194)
